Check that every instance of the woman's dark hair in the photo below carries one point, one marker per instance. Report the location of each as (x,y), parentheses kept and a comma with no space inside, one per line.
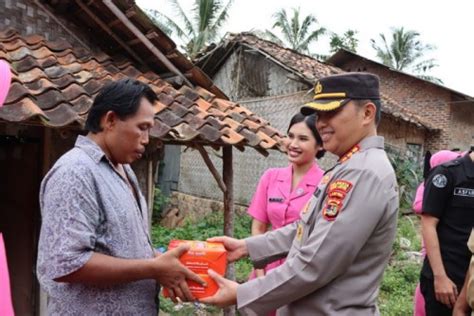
(310,122)
(122,97)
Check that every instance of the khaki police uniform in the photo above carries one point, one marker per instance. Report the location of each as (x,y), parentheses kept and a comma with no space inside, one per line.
(337,252)
(336,257)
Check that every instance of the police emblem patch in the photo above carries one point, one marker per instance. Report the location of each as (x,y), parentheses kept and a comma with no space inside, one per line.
(325,179)
(440,181)
(336,194)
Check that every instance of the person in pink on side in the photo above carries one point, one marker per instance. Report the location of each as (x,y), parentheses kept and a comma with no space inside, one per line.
(6,306)
(437,159)
(283,192)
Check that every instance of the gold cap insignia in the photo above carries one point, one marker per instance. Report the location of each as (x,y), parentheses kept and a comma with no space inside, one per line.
(318,88)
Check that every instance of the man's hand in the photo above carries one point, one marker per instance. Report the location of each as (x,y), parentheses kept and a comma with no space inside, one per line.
(236,248)
(227,293)
(172,274)
(446,291)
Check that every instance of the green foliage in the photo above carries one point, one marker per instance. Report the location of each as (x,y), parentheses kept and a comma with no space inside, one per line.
(348,41)
(210,226)
(298,32)
(405,52)
(409,175)
(397,289)
(159,202)
(196,29)
(401,276)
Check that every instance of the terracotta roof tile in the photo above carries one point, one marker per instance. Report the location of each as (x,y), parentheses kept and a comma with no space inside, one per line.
(54,85)
(230,136)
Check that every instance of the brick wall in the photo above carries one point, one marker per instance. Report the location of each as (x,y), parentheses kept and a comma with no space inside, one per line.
(425,99)
(28,18)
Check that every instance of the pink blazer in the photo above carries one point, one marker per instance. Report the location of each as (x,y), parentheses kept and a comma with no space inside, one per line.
(274,203)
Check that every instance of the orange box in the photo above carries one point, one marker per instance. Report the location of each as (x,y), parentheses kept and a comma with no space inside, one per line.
(200,257)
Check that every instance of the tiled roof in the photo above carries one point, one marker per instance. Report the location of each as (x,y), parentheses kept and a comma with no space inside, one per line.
(54,85)
(304,66)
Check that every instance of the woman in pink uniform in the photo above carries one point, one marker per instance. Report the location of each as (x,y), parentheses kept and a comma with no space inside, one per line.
(283,192)
(437,159)
(6,306)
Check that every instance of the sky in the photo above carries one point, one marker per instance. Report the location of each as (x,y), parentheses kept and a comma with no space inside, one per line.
(449,26)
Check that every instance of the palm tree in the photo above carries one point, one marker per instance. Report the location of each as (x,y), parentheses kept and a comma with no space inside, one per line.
(198,29)
(405,53)
(296,33)
(348,41)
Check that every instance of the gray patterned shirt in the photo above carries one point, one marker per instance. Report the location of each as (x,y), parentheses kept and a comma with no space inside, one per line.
(88,207)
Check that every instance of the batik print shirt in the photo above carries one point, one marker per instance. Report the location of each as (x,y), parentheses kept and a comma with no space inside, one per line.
(87,207)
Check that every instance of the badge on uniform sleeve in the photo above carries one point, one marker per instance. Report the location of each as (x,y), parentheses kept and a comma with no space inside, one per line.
(440,181)
(305,208)
(336,193)
(325,179)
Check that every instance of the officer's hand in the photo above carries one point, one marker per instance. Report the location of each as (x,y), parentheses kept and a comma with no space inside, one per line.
(170,273)
(227,293)
(259,272)
(446,291)
(236,248)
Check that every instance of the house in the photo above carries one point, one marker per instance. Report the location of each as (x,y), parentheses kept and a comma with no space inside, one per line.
(61,54)
(452,112)
(274,82)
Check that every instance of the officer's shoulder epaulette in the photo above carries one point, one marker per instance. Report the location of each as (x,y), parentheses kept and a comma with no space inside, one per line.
(452,163)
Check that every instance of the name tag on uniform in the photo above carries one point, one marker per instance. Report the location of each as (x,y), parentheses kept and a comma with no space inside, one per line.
(299,232)
(464,192)
(276,200)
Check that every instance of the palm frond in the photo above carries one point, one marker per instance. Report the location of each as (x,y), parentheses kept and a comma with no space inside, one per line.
(190,30)
(166,24)
(221,18)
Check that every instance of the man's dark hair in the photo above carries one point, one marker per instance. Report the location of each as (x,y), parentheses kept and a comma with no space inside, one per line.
(122,97)
(310,122)
(378,106)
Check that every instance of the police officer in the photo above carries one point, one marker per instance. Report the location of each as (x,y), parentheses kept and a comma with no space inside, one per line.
(338,250)
(447,221)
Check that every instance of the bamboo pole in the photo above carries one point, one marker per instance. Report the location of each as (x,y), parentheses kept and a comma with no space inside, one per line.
(213,169)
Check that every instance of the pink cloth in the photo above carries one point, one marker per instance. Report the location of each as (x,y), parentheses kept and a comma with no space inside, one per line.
(419,309)
(6,307)
(274,203)
(5,79)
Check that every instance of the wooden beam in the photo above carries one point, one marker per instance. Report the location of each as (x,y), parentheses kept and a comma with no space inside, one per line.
(228,174)
(122,17)
(211,167)
(109,31)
